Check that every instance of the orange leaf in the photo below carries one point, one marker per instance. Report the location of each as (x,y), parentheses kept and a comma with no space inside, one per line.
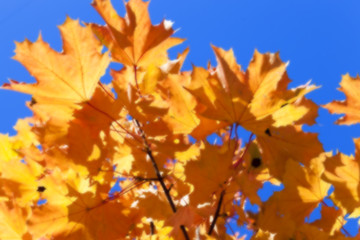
(68,77)
(13,221)
(351,106)
(209,173)
(255,99)
(304,189)
(133,40)
(186,216)
(332,220)
(344,173)
(77,217)
(284,143)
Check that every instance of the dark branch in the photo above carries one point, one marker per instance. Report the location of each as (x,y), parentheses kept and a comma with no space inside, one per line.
(159,177)
(152,228)
(145,179)
(217,212)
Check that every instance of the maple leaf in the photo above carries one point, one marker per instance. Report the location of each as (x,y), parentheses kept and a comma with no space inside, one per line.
(186,216)
(332,220)
(68,77)
(143,108)
(13,221)
(343,172)
(278,145)
(255,172)
(304,189)
(180,116)
(148,201)
(21,181)
(7,148)
(351,106)
(133,40)
(252,98)
(210,172)
(259,101)
(73,217)
(284,227)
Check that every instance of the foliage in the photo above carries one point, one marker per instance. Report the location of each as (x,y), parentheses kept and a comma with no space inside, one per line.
(60,173)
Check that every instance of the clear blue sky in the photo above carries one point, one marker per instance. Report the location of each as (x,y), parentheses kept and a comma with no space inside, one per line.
(319,38)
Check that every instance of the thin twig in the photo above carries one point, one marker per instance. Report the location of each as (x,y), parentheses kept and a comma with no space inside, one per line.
(237,163)
(217,212)
(113,119)
(137,178)
(236,131)
(347,234)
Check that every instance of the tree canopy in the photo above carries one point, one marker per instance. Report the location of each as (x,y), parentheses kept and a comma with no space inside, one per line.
(130,159)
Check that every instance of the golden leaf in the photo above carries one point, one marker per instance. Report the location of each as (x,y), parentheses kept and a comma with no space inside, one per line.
(304,189)
(133,40)
(343,172)
(351,106)
(68,77)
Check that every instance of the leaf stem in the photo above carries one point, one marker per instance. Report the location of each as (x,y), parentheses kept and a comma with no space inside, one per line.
(136,81)
(103,88)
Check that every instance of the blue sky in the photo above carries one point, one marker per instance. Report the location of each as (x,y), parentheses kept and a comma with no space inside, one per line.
(319,38)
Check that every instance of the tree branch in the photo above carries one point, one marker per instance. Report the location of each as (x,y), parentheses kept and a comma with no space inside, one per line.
(217,212)
(152,228)
(159,177)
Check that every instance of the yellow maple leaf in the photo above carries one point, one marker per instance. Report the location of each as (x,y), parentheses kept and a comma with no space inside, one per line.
(304,189)
(13,221)
(278,145)
(343,172)
(253,99)
(7,149)
(76,216)
(133,40)
(210,172)
(351,106)
(68,77)
(20,181)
